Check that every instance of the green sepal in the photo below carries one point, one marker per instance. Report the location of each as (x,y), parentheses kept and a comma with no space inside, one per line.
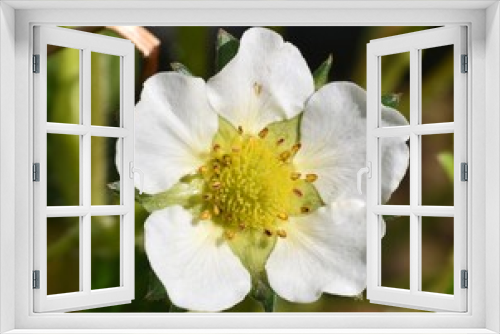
(181,68)
(287,130)
(446,161)
(322,73)
(185,193)
(262,292)
(309,198)
(253,248)
(391,100)
(226,48)
(226,135)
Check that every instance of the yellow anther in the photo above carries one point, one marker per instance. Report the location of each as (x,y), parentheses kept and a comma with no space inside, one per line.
(283,216)
(305,209)
(268,232)
(295,148)
(207,196)
(242,226)
(216,210)
(281,233)
(311,177)
(203,169)
(236,149)
(229,234)
(298,192)
(295,176)
(216,147)
(257,88)
(205,215)
(227,159)
(280,141)
(263,133)
(240,129)
(216,185)
(285,155)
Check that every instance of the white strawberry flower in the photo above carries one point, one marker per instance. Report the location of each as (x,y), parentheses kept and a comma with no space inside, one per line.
(277,192)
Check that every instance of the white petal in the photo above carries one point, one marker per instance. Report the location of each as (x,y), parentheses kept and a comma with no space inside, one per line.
(263,60)
(323,252)
(193,261)
(174,127)
(333,137)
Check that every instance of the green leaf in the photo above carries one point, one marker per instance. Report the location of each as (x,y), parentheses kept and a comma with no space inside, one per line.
(286,132)
(226,48)
(322,72)
(176,309)
(262,292)
(391,100)
(156,290)
(181,68)
(446,161)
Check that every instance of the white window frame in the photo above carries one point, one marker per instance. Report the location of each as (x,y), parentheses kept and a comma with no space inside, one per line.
(85,43)
(414,44)
(15,53)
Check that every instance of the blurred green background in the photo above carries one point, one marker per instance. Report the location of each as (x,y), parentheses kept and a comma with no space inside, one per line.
(194,47)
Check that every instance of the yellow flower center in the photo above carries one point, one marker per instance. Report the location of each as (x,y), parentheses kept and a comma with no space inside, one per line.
(249,185)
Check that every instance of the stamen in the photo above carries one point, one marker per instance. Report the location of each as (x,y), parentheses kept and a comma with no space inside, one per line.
(280,141)
(263,133)
(205,215)
(305,209)
(295,148)
(283,216)
(207,196)
(216,185)
(203,169)
(240,129)
(229,234)
(295,176)
(285,155)
(257,88)
(236,149)
(311,177)
(268,232)
(227,159)
(216,210)
(216,147)
(298,192)
(242,226)
(281,233)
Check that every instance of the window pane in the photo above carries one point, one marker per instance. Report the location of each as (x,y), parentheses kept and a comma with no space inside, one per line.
(401,196)
(105,79)
(437,169)
(63,170)
(63,85)
(437,254)
(63,255)
(395,82)
(437,84)
(103,171)
(105,253)
(396,252)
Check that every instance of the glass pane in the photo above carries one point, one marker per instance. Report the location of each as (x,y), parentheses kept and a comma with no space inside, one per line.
(105,79)
(396,252)
(395,82)
(437,84)
(63,255)
(437,169)
(63,85)
(401,195)
(105,253)
(63,170)
(103,171)
(437,254)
